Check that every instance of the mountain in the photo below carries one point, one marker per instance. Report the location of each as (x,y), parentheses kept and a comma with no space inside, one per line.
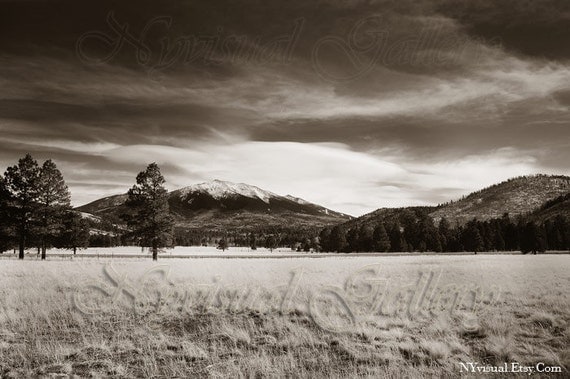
(553,208)
(516,196)
(220,205)
(525,195)
(105,206)
(224,206)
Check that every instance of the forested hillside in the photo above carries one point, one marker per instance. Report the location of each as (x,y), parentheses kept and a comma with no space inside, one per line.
(525,213)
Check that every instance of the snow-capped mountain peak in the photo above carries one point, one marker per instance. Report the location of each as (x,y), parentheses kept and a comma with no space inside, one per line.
(220,189)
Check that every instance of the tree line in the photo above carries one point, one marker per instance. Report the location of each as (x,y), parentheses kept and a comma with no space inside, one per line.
(260,236)
(421,234)
(35,211)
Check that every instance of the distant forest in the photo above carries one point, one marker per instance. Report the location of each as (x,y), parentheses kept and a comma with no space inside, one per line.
(416,231)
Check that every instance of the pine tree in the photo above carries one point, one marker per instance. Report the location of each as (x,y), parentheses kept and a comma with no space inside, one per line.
(445,234)
(315,245)
(352,240)
(5,240)
(398,242)
(222,244)
(562,226)
(252,241)
(366,238)
(499,242)
(472,239)
(428,234)
(271,242)
(533,238)
(498,235)
(149,219)
(454,240)
(338,239)
(22,182)
(381,239)
(325,239)
(510,234)
(54,202)
(74,232)
(408,220)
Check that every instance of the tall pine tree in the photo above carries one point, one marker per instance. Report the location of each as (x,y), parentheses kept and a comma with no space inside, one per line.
(53,204)
(149,219)
(5,229)
(22,182)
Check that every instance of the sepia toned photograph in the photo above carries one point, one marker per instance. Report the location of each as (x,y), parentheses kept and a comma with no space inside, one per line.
(284,189)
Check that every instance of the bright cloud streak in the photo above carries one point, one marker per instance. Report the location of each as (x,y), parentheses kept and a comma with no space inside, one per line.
(331,175)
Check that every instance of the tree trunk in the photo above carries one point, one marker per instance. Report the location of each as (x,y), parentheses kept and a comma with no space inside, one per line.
(74,250)
(22,247)
(44,252)
(154,251)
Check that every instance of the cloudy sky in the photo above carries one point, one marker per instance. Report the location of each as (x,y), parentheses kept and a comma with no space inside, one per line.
(354,105)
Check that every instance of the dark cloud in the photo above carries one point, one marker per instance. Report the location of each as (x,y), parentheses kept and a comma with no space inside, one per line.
(563,97)
(401,31)
(139,120)
(435,139)
(536,28)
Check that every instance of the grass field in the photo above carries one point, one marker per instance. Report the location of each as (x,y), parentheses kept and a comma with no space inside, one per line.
(400,316)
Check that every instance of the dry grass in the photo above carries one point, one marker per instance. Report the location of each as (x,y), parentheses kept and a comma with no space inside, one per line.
(220,332)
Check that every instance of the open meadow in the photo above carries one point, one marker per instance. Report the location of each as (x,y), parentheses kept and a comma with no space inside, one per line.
(389,316)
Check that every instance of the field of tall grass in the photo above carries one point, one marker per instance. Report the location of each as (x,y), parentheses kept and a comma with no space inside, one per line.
(420,316)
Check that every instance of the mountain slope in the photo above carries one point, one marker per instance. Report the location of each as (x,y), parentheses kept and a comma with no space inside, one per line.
(517,196)
(389,215)
(220,205)
(553,208)
(108,208)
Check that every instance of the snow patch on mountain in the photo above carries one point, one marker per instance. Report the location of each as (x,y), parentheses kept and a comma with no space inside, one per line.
(90,216)
(220,189)
(297,200)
